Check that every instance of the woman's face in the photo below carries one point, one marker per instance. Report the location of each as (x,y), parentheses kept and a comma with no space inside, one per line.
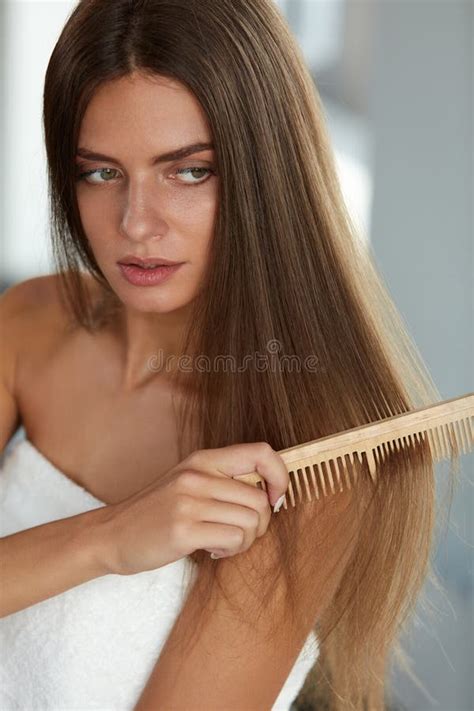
(134,205)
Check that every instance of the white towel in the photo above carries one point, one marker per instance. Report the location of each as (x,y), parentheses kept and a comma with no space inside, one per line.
(95,645)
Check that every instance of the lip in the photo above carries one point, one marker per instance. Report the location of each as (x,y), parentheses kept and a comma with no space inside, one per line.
(145,261)
(148,277)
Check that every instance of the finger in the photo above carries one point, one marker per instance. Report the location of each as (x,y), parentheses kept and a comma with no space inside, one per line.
(207,487)
(245,458)
(242,517)
(230,539)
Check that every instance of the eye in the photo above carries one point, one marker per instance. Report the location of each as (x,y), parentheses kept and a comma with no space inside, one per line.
(86,174)
(108,174)
(192,170)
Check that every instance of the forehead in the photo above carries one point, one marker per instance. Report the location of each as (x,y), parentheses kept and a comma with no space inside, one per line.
(136,110)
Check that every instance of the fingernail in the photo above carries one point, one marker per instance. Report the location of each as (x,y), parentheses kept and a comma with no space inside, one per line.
(214,556)
(278,504)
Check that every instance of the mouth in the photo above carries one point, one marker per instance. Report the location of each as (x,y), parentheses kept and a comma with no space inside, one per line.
(148,275)
(147,262)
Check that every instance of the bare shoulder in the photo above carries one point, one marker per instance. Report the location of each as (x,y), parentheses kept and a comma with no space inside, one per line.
(37,296)
(23,294)
(19,306)
(29,307)
(33,318)
(23,309)
(44,287)
(34,326)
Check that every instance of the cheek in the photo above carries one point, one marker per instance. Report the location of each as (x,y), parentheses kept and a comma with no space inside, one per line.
(192,217)
(194,230)
(96,217)
(88,212)
(200,223)
(200,242)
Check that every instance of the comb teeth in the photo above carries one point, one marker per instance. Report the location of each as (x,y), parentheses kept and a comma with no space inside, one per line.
(329,465)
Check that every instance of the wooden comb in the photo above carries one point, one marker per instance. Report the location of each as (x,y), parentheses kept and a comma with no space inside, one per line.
(326,464)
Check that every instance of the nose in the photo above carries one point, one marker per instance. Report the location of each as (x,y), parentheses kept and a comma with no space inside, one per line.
(142,218)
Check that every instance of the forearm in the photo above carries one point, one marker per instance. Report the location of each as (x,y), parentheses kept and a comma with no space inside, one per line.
(40,562)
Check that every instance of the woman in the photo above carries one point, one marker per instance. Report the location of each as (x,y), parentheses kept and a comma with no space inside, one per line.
(204,122)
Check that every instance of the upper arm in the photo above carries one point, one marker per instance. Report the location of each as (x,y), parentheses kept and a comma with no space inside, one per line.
(234,665)
(15,303)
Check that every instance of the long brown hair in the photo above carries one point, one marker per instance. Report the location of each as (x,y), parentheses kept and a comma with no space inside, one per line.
(287,268)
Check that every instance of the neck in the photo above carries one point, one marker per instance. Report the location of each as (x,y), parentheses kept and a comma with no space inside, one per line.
(150,345)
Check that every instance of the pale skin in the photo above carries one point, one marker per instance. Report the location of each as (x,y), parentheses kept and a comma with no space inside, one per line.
(93,407)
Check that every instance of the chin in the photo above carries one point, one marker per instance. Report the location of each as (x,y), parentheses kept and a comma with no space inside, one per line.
(145,301)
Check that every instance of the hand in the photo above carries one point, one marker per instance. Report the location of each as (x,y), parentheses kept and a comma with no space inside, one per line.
(197,504)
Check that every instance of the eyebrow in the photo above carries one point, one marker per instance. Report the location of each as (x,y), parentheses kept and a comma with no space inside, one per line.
(175,154)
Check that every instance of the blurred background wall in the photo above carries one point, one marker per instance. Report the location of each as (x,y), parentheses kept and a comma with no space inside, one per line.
(395,77)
